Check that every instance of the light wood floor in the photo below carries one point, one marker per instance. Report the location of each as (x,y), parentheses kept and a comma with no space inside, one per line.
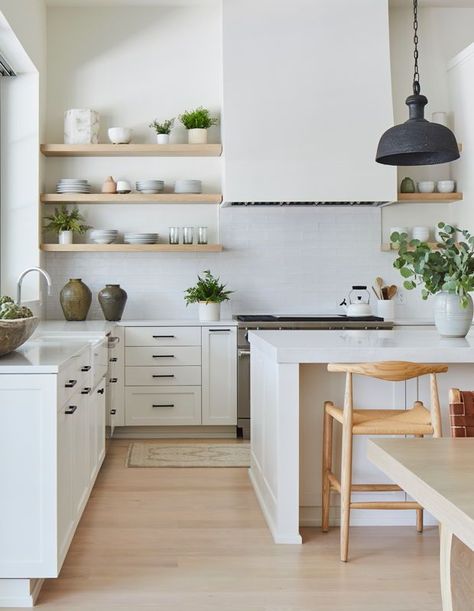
(195,540)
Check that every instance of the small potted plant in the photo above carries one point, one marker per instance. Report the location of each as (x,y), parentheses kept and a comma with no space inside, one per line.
(197,122)
(447,273)
(162,130)
(66,223)
(209,293)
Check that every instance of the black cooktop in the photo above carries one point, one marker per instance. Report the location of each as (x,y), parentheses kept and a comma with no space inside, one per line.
(321,318)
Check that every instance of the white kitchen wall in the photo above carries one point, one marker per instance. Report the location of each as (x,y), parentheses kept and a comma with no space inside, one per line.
(133,64)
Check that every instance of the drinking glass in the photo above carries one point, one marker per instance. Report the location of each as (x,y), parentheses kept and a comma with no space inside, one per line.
(188,235)
(173,235)
(202,235)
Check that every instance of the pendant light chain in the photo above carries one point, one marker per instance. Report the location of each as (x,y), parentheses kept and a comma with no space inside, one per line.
(416,73)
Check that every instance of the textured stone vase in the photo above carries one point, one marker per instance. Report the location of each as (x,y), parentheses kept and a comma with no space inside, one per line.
(451,319)
(75,299)
(81,126)
(112,300)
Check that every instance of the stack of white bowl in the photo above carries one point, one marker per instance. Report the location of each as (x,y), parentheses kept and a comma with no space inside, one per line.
(140,238)
(188,186)
(73,185)
(150,186)
(103,236)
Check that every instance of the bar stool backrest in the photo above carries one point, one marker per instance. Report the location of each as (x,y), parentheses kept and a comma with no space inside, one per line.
(392,371)
(461,412)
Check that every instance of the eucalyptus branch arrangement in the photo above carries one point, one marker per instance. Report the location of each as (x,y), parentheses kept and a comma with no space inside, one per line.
(448,268)
(207,289)
(199,118)
(162,128)
(63,220)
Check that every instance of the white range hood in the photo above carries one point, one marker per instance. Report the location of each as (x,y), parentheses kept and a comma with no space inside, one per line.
(306,97)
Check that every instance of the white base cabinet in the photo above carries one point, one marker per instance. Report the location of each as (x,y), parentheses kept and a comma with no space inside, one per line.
(219,375)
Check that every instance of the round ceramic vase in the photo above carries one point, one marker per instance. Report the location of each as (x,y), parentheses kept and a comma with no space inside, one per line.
(162,138)
(112,300)
(197,136)
(451,319)
(209,311)
(75,299)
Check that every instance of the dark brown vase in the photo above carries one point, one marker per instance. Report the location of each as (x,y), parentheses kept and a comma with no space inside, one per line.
(75,299)
(112,300)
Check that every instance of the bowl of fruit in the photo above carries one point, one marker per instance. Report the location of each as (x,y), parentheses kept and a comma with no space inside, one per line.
(17,325)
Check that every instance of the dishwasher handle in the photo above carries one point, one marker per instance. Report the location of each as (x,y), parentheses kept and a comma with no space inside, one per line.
(242,353)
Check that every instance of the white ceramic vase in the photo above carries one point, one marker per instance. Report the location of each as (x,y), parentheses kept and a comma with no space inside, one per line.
(451,319)
(386,309)
(163,138)
(65,237)
(209,311)
(81,126)
(197,136)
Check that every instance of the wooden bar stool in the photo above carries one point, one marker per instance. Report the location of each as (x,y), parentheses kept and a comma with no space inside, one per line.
(461,412)
(418,421)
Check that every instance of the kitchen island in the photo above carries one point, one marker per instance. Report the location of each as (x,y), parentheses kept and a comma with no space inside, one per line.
(290,382)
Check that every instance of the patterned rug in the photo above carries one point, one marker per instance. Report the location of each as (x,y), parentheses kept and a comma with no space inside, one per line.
(188,455)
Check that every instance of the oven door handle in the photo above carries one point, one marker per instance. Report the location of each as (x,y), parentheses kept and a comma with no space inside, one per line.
(242,353)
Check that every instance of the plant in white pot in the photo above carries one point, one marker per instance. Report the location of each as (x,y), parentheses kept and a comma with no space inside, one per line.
(197,122)
(447,273)
(209,293)
(162,130)
(66,224)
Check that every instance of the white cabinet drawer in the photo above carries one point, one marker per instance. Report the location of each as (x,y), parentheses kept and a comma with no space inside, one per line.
(162,406)
(163,336)
(74,376)
(163,376)
(170,356)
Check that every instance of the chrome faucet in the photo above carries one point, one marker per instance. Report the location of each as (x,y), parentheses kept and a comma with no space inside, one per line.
(27,271)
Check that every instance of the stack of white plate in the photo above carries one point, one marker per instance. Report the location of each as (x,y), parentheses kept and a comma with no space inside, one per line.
(150,186)
(188,186)
(140,238)
(73,185)
(103,236)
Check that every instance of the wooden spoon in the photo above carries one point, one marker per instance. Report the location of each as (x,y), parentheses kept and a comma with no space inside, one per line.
(379,285)
(391,291)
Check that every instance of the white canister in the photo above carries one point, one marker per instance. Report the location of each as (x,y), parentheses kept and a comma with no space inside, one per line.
(421,233)
(386,309)
(81,126)
(197,136)
(162,138)
(65,237)
(209,311)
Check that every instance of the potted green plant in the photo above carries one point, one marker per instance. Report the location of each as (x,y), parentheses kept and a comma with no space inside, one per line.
(197,122)
(209,293)
(447,273)
(65,223)
(162,130)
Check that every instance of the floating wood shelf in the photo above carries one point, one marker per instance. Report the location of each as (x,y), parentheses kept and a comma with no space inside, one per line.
(393,247)
(132,247)
(131,150)
(432,198)
(132,198)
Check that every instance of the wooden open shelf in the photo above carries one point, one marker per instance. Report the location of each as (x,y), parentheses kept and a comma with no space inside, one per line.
(132,198)
(392,247)
(433,198)
(132,247)
(131,150)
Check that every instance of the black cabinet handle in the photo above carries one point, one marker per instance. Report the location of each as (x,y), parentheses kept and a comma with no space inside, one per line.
(163,336)
(219,330)
(71,409)
(71,384)
(163,405)
(113,359)
(101,391)
(86,368)
(113,380)
(86,391)
(113,412)
(163,375)
(163,356)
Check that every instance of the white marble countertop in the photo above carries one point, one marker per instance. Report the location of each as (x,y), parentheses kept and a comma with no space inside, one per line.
(192,322)
(422,345)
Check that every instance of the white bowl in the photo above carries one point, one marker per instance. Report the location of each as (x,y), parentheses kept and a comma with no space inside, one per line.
(120,135)
(426,186)
(445,186)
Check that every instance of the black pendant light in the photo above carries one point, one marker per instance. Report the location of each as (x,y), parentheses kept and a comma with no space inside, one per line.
(417,141)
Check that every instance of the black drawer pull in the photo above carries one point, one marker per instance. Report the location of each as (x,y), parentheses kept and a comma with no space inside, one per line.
(219,330)
(86,391)
(86,368)
(163,356)
(101,391)
(163,336)
(71,384)
(113,359)
(163,405)
(113,412)
(71,409)
(163,375)
(113,380)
